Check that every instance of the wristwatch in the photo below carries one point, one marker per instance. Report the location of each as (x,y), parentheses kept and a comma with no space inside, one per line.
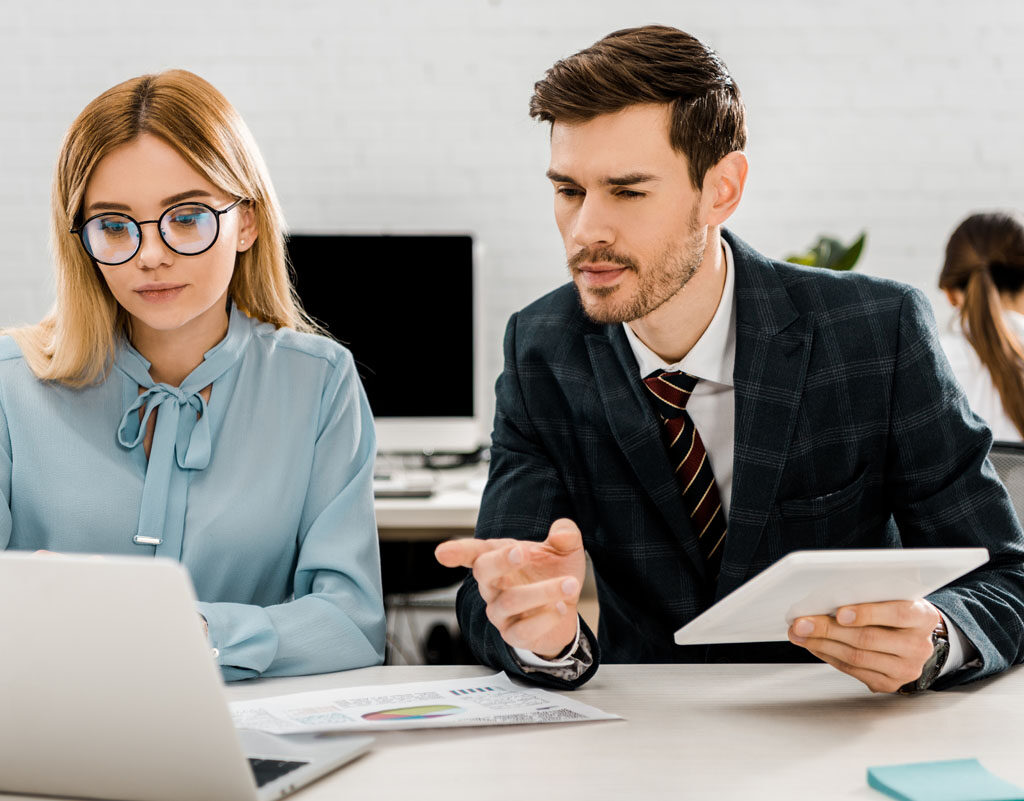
(933,667)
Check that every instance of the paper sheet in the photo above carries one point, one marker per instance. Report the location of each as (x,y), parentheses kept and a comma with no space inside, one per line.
(481,701)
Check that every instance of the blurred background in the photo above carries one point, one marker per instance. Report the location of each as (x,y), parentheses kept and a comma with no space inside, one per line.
(892,118)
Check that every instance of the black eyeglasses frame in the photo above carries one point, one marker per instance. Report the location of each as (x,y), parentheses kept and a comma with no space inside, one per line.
(79,231)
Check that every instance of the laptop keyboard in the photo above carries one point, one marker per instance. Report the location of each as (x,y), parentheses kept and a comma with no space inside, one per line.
(266,770)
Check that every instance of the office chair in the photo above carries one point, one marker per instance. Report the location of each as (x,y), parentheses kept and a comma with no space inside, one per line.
(1008,460)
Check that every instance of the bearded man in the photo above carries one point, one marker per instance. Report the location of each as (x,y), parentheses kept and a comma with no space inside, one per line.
(687,411)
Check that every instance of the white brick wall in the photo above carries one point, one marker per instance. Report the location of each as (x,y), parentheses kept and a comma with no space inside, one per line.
(897,117)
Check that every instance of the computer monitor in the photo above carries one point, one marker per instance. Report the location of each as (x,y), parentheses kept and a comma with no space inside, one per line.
(406,306)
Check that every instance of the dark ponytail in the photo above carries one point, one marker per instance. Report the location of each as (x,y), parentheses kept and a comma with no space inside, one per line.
(984,259)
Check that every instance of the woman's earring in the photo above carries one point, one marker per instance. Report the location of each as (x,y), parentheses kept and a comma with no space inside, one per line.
(243,241)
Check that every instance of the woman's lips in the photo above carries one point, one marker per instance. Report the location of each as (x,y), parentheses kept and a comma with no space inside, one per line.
(160,294)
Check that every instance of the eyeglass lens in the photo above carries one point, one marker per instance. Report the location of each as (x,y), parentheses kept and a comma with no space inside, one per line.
(186,229)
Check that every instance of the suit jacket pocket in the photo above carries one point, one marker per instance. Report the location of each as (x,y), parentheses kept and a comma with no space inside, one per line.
(824,505)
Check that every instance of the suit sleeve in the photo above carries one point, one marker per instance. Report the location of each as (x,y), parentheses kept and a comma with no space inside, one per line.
(524,495)
(945,493)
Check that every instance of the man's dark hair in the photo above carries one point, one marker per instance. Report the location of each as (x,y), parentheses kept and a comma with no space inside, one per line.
(653,64)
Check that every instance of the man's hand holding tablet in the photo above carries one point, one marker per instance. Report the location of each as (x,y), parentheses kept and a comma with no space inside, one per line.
(861,611)
(885,644)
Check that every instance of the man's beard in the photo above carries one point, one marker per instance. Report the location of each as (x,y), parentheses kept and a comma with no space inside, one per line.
(656,284)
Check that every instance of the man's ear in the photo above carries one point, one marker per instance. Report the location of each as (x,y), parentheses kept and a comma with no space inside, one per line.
(723,187)
(248,230)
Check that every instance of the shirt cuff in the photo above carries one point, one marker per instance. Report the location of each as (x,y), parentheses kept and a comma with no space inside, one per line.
(961,649)
(530,659)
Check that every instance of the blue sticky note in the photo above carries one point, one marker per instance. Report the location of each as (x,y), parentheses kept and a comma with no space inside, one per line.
(952,780)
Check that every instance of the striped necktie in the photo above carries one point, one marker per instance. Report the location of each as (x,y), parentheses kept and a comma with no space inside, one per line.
(669,394)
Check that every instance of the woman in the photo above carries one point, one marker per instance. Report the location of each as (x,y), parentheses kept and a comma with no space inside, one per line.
(983,277)
(176,402)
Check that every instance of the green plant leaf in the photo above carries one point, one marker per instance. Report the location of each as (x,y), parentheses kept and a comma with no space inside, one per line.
(852,254)
(830,253)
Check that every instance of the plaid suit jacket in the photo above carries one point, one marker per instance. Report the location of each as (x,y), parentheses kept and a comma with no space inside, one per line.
(850,432)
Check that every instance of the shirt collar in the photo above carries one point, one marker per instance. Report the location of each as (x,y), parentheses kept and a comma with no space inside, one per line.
(713,356)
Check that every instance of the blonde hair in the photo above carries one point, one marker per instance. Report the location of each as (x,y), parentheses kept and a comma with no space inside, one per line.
(75,343)
(985,259)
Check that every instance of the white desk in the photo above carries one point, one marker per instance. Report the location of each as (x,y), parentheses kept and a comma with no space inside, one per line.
(690,732)
(450,511)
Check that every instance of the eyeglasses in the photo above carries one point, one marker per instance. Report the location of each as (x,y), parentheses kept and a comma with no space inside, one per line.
(186,228)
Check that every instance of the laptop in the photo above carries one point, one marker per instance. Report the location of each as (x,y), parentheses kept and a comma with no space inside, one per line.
(109,689)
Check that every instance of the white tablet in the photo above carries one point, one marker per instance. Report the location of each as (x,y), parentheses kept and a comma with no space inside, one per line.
(819,582)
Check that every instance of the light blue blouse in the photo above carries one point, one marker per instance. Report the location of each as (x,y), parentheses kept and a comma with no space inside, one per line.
(264,493)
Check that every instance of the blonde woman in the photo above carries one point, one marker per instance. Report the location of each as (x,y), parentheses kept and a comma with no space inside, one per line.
(983,277)
(177,401)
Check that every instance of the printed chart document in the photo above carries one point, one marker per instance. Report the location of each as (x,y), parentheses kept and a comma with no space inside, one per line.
(481,701)
(819,582)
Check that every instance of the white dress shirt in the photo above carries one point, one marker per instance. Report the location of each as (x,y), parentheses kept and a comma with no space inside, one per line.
(712,404)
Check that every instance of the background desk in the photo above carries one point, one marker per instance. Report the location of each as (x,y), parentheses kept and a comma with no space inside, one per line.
(690,732)
(421,615)
(450,511)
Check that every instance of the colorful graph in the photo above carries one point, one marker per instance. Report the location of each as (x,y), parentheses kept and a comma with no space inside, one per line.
(413,712)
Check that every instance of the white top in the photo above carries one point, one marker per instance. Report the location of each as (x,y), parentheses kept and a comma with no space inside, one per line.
(975,378)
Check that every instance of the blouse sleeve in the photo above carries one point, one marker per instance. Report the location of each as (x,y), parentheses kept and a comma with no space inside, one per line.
(335,619)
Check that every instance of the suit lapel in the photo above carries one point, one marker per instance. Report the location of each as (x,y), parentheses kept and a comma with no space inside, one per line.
(773,345)
(637,433)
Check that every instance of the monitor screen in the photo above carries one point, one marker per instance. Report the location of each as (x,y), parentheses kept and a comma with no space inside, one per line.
(404,305)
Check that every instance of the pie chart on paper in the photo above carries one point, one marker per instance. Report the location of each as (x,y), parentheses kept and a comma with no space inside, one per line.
(414,712)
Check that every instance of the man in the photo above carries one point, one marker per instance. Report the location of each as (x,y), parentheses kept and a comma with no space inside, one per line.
(688,411)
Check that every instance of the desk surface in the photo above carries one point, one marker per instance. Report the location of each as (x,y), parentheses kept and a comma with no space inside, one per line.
(690,731)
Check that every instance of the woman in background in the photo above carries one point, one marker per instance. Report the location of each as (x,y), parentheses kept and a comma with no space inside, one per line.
(177,401)
(983,277)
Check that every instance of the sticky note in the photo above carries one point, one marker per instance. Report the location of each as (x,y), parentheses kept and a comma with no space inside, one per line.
(952,780)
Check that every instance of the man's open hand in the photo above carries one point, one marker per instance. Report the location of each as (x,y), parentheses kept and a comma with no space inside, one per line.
(531,588)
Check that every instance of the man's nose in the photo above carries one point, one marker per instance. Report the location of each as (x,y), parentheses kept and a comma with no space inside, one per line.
(593,223)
